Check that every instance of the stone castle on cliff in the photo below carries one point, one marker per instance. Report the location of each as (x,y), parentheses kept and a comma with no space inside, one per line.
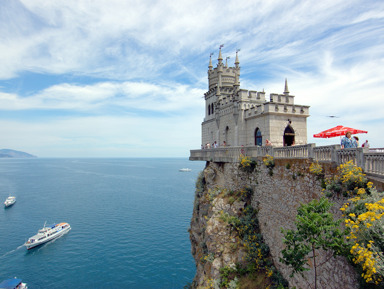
(239,117)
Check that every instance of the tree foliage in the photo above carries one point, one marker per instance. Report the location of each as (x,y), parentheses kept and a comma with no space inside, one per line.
(315,229)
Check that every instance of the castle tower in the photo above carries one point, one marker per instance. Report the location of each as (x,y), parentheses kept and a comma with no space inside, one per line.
(240,117)
(222,75)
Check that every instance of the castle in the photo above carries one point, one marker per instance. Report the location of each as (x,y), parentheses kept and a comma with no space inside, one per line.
(238,117)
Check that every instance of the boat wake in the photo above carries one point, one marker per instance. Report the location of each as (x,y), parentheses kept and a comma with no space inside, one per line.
(10,252)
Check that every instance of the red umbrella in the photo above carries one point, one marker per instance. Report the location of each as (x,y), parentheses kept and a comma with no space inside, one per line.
(338,131)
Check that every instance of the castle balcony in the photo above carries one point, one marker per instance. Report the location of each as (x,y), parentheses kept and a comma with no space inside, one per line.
(370,160)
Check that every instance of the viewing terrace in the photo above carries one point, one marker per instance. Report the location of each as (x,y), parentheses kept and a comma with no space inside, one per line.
(370,160)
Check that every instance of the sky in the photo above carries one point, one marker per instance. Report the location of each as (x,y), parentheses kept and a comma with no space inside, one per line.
(113,78)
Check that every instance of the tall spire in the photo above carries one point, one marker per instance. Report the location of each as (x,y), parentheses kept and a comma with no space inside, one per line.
(237,70)
(286,91)
(220,59)
(226,61)
(237,62)
(210,61)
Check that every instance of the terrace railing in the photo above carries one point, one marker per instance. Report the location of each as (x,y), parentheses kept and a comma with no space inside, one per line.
(371,160)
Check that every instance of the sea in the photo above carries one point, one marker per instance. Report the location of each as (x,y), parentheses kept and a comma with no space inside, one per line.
(129,219)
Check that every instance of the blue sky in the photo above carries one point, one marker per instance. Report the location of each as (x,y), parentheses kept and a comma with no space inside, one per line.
(112,78)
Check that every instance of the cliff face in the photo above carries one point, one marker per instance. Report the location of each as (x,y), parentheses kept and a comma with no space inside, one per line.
(275,195)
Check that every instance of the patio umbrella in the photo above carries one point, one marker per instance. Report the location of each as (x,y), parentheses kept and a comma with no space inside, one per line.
(338,131)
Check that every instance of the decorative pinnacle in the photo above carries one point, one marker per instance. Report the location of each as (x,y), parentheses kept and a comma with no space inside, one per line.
(286,91)
(237,62)
(210,61)
(226,61)
(220,56)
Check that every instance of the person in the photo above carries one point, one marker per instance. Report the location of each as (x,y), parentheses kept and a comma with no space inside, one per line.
(268,143)
(357,141)
(366,144)
(224,143)
(347,141)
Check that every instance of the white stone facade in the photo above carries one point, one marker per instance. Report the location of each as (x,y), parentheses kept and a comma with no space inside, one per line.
(240,117)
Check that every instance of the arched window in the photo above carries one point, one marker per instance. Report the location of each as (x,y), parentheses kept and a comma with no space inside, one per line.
(212,108)
(209,109)
(289,136)
(258,137)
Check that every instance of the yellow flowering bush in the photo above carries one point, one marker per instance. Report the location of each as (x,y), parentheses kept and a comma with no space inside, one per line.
(246,164)
(364,218)
(316,169)
(348,180)
(245,161)
(351,176)
(268,161)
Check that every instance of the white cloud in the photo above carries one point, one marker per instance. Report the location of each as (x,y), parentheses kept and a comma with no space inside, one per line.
(166,98)
(104,136)
(151,59)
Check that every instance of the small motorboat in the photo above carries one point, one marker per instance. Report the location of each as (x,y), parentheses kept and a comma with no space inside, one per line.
(14,283)
(9,202)
(47,234)
(185,170)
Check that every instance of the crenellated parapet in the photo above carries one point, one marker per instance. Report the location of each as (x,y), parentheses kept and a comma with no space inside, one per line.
(273,108)
(228,77)
(281,98)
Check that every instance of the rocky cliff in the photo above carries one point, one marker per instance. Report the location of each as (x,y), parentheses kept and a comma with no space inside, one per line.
(233,247)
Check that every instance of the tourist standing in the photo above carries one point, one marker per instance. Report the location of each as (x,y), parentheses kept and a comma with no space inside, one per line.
(357,141)
(347,141)
(366,144)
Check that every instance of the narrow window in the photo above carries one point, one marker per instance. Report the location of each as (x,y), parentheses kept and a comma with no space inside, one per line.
(258,137)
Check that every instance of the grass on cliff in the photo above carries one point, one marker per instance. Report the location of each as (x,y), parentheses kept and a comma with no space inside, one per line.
(257,270)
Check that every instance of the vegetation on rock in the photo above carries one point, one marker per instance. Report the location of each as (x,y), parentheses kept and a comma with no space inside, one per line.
(247,164)
(363,217)
(316,229)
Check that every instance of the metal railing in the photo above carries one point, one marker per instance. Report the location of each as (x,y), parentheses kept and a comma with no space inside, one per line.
(371,160)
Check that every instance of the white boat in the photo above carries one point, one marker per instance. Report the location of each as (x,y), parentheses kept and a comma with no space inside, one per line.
(14,283)
(10,201)
(185,170)
(47,234)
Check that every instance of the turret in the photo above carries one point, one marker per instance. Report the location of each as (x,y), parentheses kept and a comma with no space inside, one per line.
(223,77)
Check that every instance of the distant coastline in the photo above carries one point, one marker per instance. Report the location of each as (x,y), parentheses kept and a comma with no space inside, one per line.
(8,153)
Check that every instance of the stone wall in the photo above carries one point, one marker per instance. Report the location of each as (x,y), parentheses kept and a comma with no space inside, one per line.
(277,198)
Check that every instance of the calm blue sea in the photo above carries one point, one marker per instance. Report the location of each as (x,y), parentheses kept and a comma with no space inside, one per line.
(129,220)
